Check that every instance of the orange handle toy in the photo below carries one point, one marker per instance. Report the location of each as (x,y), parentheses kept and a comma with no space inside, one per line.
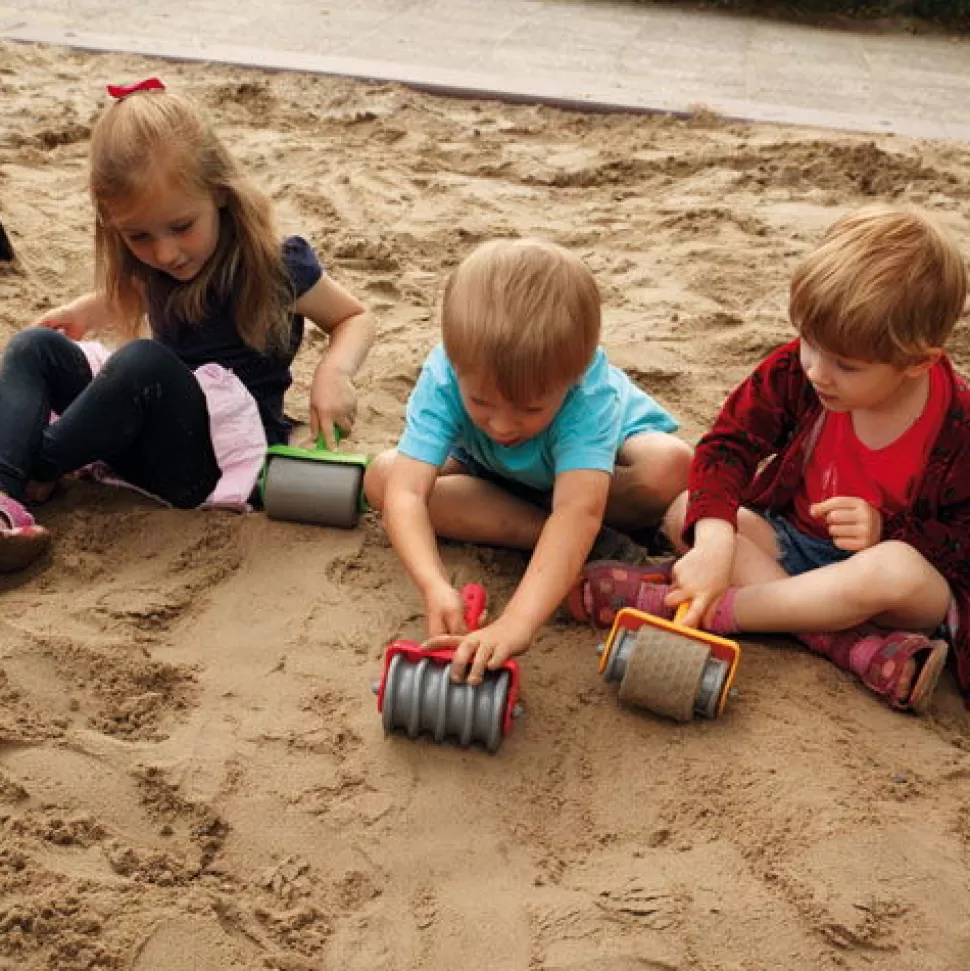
(668,668)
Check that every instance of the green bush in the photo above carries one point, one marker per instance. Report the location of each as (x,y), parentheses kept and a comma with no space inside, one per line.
(950,13)
(942,9)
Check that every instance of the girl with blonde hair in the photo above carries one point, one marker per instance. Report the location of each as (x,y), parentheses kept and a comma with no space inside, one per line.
(187,244)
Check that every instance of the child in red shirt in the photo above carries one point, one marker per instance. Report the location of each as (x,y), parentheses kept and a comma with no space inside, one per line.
(855,533)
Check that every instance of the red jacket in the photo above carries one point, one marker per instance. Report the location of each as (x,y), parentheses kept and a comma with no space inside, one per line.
(774,414)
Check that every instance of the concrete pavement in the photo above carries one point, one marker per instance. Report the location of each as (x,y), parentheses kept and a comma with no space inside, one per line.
(595,53)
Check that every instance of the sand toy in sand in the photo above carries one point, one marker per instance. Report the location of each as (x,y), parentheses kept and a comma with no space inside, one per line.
(313,485)
(667,668)
(416,694)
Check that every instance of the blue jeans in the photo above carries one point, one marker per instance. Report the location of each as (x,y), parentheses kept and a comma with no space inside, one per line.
(144,414)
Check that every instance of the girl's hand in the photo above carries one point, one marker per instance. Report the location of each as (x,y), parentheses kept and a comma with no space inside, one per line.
(65,319)
(333,402)
(445,611)
(852,523)
(484,650)
(703,573)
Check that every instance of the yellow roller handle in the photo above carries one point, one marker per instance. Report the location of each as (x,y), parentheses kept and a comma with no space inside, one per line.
(681,612)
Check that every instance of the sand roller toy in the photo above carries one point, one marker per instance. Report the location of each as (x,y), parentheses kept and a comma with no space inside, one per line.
(313,485)
(667,668)
(416,695)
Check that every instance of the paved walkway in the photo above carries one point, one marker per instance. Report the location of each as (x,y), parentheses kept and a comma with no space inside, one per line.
(597,53)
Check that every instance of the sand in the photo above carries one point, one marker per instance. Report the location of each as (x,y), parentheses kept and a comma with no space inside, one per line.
(193,773)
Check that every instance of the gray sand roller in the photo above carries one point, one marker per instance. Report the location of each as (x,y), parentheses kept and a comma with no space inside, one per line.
(417,695)
(673,671)
(313,485)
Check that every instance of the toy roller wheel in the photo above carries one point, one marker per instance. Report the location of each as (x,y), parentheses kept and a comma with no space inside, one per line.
(663,673)
(306,491)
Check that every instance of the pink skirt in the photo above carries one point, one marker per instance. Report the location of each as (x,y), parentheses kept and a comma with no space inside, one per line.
(238,436)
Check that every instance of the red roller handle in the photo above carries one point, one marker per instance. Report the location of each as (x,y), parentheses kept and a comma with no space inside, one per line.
(475,599)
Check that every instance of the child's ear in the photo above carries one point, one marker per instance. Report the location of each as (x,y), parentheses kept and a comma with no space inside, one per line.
(931,356)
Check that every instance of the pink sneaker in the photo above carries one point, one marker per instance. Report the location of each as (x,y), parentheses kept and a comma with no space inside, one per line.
(605,587)
(879,661)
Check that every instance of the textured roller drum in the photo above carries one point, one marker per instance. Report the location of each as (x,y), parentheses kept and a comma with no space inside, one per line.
(663,673)
(327,493)
(420,698)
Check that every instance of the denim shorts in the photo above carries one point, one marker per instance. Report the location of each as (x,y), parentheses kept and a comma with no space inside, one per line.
(799,551)
(473,467)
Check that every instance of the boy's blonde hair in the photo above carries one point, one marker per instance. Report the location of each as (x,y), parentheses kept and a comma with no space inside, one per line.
(526,313)
(885,285)
(158,137)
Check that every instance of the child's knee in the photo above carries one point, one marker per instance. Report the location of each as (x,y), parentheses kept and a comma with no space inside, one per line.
(375,478)
(663,467)
(898,571)
(32,345)
(673,521)
(674,466)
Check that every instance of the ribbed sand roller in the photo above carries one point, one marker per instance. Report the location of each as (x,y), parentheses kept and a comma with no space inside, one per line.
(667,668)
(313,485)
(417,696)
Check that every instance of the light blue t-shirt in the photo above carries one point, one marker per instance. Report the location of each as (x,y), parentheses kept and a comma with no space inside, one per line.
(597,416)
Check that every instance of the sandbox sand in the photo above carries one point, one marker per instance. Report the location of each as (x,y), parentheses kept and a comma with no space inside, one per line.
(193,774)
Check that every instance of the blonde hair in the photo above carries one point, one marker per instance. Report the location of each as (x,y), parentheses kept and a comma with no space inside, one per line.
(154,136)
(884,285)
(524,312)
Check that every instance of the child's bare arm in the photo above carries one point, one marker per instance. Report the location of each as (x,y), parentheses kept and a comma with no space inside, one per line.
(703,573)
(579,501)
(408,525)
(333,398)
(75,319)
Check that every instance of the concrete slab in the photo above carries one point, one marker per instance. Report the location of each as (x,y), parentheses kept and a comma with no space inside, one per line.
(594,54)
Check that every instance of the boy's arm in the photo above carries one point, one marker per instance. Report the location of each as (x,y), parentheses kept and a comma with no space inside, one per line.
(579,501)
(408,523)
(755,422)
(944,493)
(337,312)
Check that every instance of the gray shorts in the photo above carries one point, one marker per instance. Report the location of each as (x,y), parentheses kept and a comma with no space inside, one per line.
(475,468)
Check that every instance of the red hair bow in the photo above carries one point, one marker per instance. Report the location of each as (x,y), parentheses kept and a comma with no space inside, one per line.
(119,91)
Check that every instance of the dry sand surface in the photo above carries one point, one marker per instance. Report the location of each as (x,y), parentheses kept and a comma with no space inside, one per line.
(193,773)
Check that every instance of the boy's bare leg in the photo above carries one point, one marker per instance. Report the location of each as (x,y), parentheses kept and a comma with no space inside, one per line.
(890,584)
(466,508)
(651,471)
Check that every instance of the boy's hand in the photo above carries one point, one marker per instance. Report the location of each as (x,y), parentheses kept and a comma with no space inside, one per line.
(445,611)
(483,650)
(703,573)
(333,402)
(852,523)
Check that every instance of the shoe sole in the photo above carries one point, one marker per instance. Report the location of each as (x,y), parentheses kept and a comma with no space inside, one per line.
(21,547)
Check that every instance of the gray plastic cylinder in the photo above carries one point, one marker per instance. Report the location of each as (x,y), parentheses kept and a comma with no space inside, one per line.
(419,696)
(308,491)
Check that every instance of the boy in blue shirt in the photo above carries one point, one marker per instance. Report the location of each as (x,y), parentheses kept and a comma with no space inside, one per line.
(519,433)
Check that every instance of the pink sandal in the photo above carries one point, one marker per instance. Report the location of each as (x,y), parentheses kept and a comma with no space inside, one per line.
(21,540)
(605,587)
(879,662)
